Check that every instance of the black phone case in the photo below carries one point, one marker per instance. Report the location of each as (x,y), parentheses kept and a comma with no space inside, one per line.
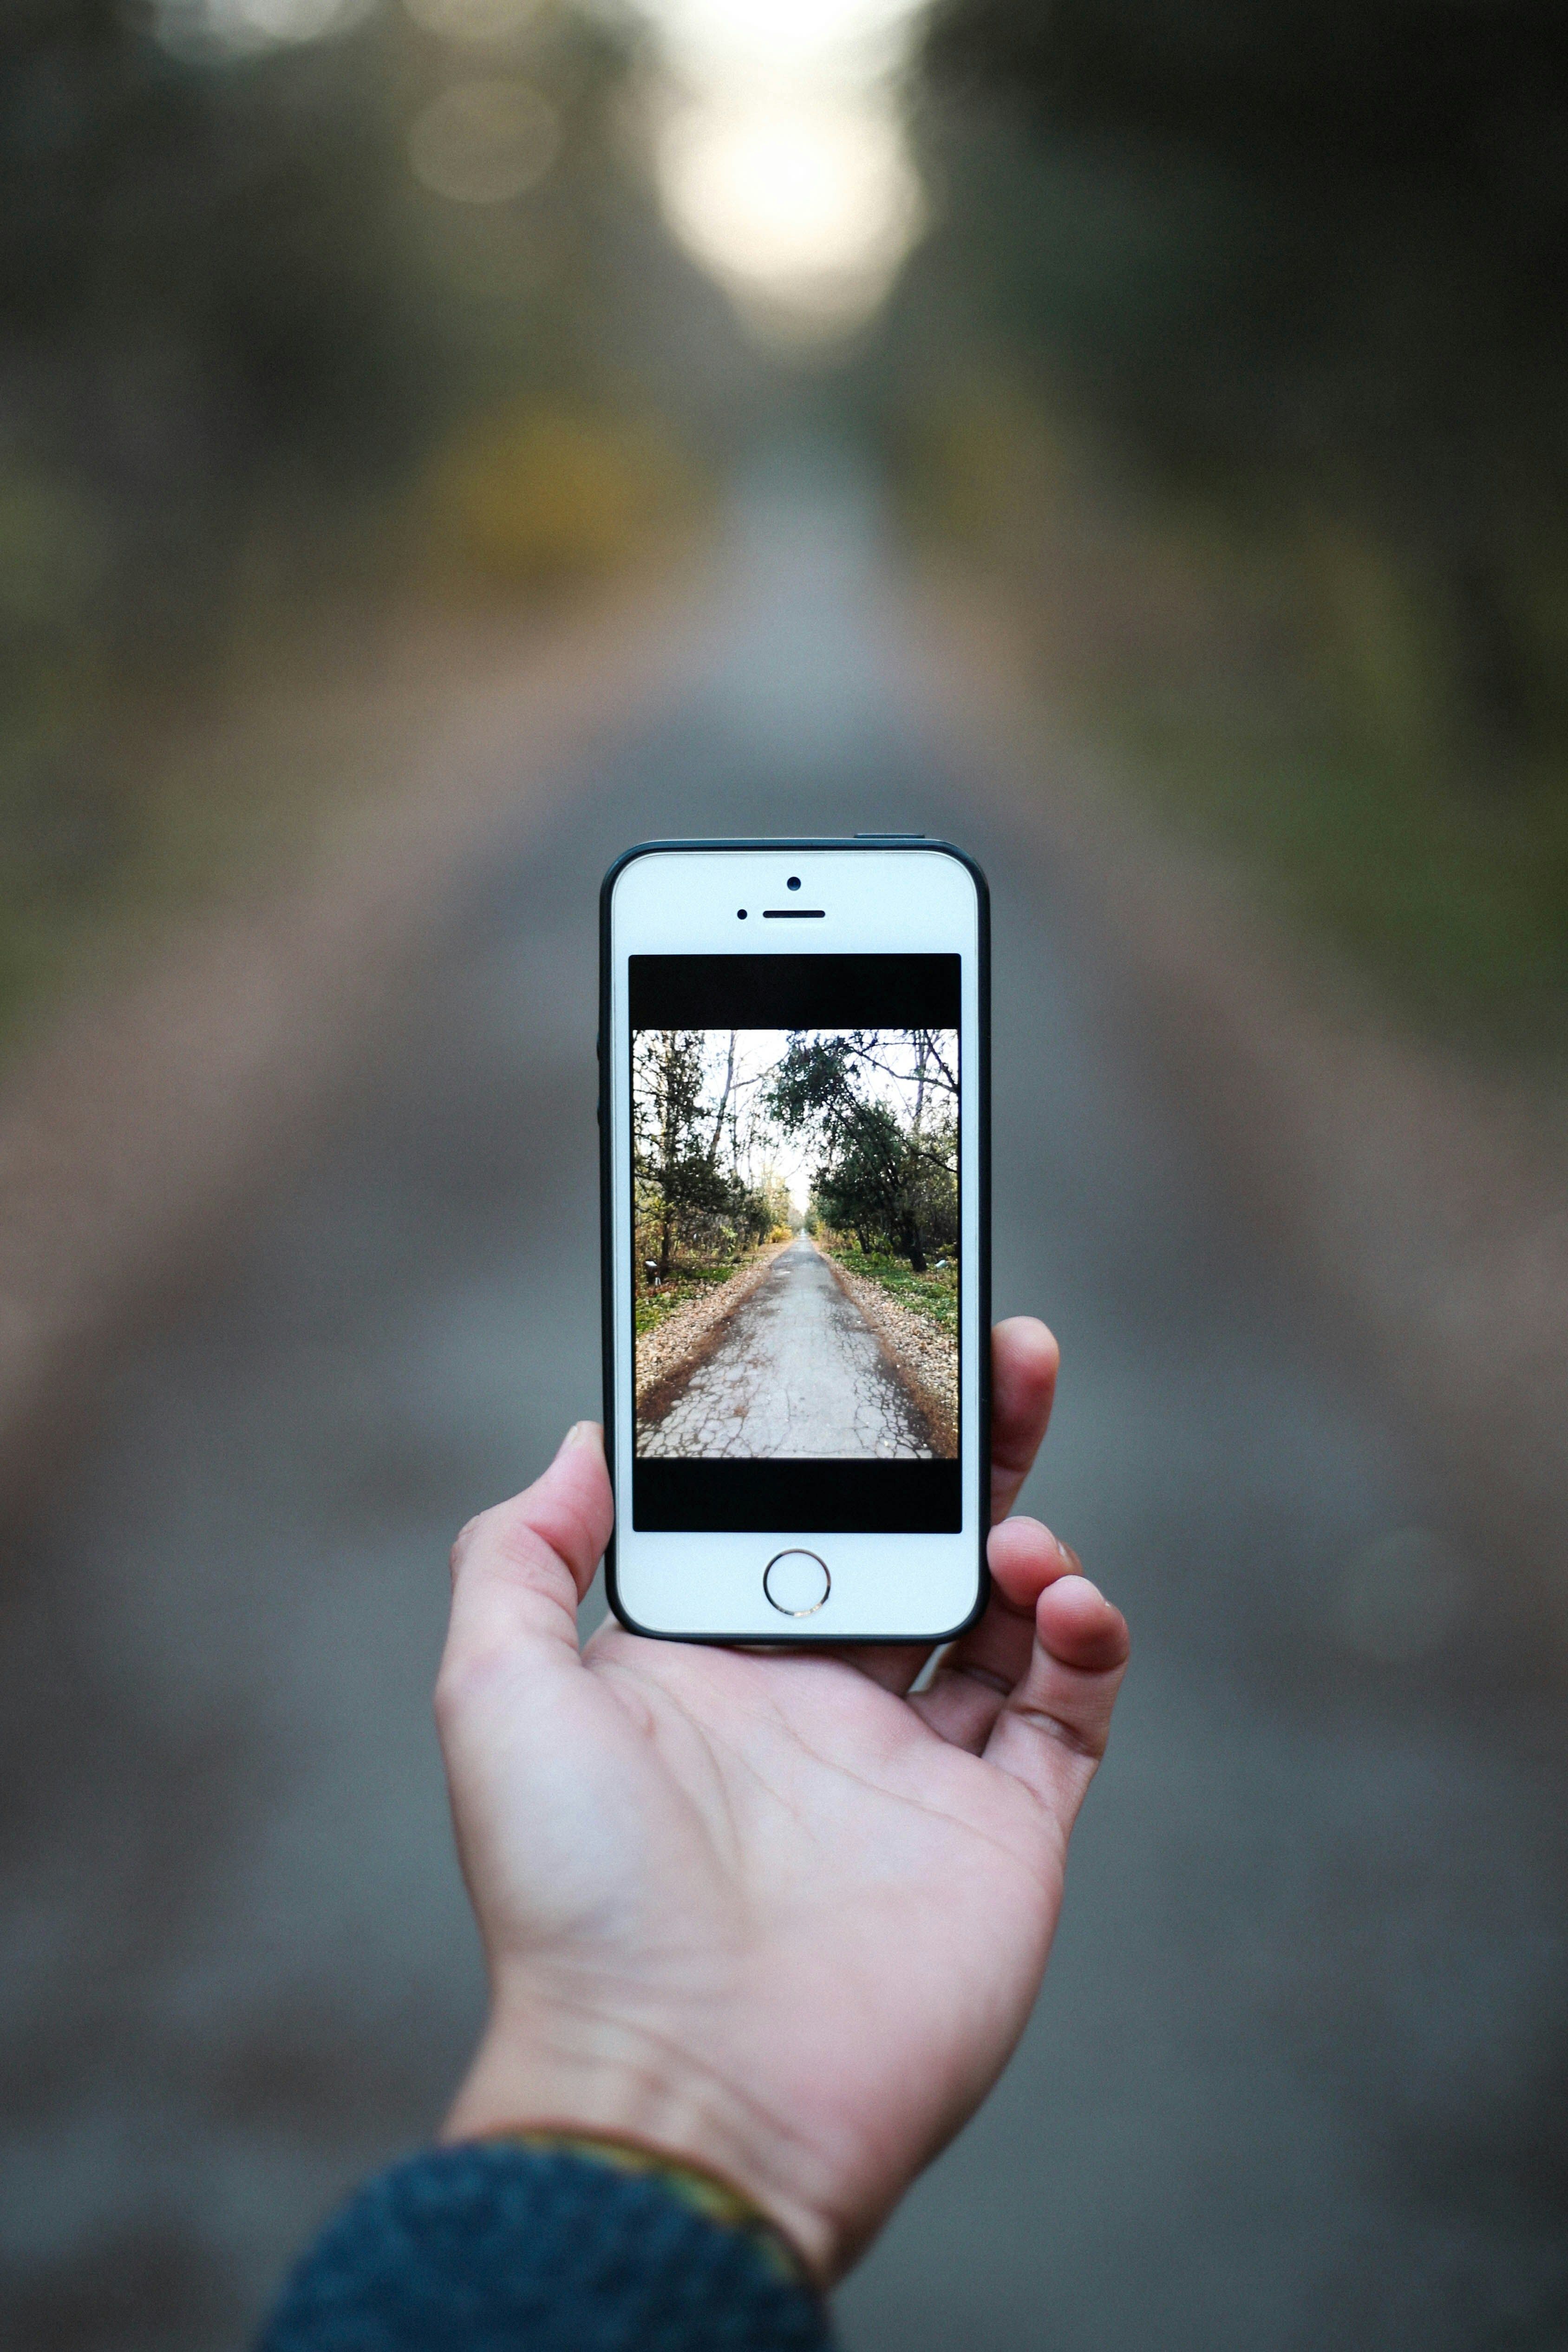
(606,1207)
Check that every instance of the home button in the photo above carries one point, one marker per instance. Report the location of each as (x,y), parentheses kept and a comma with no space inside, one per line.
(796,1582)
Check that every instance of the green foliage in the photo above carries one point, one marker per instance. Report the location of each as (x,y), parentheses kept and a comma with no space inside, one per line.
(686,1282)
(933,1293)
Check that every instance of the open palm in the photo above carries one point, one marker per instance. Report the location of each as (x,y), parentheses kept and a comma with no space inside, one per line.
(768,1912)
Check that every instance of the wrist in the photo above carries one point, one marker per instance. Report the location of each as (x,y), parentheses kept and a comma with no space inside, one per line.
(538,2070)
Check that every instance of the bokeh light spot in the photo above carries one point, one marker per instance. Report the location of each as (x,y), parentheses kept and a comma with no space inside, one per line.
(783,161)
(481,142)
(808,207)
(475,21)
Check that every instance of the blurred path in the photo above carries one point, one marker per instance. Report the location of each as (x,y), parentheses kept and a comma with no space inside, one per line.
(1296,2078)
(799,1372)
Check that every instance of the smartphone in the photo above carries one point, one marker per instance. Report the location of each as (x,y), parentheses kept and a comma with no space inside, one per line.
(795,1113)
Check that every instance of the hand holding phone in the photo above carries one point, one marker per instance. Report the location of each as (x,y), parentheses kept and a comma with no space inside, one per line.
(765,1911)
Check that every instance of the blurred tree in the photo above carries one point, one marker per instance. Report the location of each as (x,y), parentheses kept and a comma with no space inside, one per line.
(201,281)
(1324,242)
(219,271)
(379,296)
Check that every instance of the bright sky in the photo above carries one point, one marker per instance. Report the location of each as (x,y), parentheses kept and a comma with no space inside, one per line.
(782,161)
(756,1053)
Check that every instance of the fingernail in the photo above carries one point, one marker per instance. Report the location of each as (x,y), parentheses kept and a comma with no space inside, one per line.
(582,1433)
(1075,1565)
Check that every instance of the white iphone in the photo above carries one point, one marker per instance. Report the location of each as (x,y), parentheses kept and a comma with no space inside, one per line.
(793,1105)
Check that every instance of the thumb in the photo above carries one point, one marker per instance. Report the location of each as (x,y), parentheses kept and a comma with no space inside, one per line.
(520,1570)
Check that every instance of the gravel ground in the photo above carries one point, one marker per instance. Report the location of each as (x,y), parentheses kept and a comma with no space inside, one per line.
(664,1353)
(928,1360)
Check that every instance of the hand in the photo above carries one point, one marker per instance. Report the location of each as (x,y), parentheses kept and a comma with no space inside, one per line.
(765,1911)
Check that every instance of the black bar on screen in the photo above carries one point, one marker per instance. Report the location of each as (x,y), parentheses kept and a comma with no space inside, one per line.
(794,992)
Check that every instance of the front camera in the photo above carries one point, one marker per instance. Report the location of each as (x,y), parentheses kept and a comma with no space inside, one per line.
(794,883)
(740,914)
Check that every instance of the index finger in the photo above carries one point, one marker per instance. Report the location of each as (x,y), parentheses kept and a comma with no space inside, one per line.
(1024,1360)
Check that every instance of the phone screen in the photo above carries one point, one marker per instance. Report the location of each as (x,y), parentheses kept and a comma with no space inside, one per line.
(795,1267)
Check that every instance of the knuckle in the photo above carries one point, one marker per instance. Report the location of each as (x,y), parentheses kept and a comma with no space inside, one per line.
(463,1543)
(1082,1739)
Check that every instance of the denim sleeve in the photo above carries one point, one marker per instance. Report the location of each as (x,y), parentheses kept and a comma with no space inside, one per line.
(495,2247)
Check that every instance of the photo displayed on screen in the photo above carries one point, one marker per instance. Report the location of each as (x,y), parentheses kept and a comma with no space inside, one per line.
(796,1248)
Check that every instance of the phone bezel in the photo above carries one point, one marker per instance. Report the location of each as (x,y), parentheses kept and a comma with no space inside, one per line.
(977,1107)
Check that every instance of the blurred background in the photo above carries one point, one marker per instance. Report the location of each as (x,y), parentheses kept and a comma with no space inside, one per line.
(444,441)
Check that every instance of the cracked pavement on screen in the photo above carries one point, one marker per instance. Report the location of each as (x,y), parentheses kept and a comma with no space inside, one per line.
(799,1373)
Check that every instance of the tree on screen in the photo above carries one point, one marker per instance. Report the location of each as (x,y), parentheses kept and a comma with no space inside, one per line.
(686,1142)
(884,1107)
(675,1152)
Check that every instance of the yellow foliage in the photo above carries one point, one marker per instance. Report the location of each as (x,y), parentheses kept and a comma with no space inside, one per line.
(527,495)
(780,1234)
(989,462)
